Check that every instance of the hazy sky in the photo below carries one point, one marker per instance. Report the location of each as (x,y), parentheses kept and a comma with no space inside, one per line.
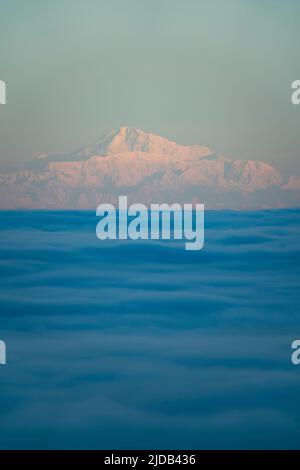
(214,72)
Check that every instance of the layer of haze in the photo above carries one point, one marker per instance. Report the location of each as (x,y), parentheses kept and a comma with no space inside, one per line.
(213,72)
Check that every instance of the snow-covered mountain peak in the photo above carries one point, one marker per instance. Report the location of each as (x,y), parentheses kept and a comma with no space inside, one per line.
(148,168)
(129,139)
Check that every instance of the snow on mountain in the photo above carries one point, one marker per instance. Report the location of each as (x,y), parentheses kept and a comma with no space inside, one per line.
(147,168)
(293,183)
(128,139)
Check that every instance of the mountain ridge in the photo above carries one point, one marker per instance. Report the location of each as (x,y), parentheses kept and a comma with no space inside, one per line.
(148,168)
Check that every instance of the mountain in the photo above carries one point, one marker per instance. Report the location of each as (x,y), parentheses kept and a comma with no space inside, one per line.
(147,168)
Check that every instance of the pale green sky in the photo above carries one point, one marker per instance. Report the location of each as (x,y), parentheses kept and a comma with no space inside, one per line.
(214,72)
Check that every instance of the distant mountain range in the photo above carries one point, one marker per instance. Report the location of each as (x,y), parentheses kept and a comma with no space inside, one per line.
(147,168)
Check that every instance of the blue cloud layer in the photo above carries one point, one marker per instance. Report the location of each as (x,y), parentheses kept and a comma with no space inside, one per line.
(143,344)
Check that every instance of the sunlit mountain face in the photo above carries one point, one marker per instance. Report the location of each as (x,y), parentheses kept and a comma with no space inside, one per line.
(148,168)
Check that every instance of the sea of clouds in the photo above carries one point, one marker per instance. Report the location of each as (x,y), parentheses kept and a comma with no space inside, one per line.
(126,344)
